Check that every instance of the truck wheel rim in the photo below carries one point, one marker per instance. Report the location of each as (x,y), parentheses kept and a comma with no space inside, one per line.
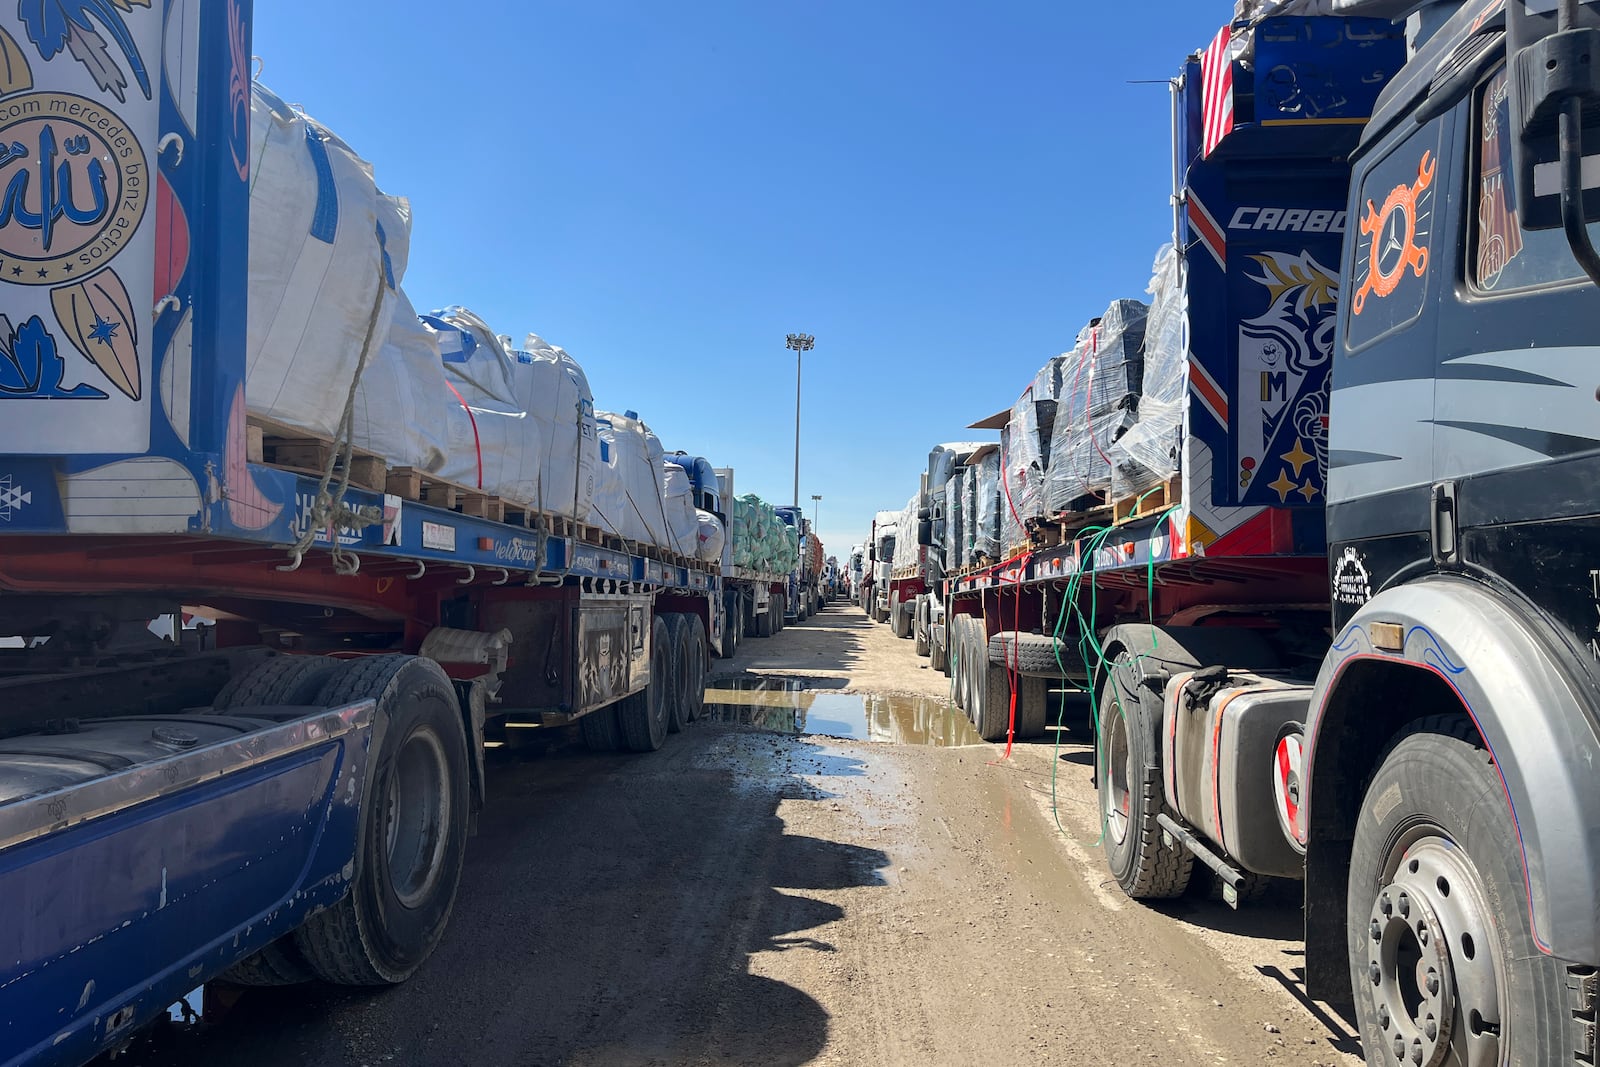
(1432,957)
(417,813)
(1118,773)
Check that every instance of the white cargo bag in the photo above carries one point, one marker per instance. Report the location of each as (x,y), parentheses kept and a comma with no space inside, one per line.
(494,444)
(321,289)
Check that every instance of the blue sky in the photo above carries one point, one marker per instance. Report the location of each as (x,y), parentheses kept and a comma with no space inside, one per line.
(941,192)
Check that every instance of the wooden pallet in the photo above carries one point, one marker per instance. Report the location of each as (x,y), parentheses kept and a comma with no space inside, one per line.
(289,448)
(424,488)
(1151,502)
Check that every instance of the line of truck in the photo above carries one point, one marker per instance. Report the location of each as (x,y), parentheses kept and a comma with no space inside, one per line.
(1317,528)
(244,705)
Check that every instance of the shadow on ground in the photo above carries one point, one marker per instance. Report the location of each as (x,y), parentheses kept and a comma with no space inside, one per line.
(609,912)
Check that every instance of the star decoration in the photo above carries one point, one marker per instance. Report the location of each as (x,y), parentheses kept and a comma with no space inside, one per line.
(17,271)
(1308,490)
(1284,485)
(103,331)
(43,273)
(67,267)
(1298,457)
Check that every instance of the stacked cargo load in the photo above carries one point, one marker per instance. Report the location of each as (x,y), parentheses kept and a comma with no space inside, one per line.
(983,506)
(1025,445)
(1101,383)
(761,540)
(907,553)
(1148,454)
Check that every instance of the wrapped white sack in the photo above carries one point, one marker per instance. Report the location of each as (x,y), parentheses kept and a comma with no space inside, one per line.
(554,390)
(321,289)
(683,525)
(494,444)
(712,536)
(629,493)
(398,412)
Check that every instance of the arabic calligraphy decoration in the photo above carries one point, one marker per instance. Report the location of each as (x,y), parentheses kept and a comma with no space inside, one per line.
(73,187)
(1390,235)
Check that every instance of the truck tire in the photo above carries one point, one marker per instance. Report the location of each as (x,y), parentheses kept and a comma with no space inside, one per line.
(992,689)
(678,663)
(732,626)
(1436,889)
(276,964)
(1033,706)
(645,716)
(695,628)
(1131,792)
(1041,653)
(902,619)
(752,620)
(413,826)
(955,630)
(919,626)
(764,622)
(600,729)
(938,650)
(292,680)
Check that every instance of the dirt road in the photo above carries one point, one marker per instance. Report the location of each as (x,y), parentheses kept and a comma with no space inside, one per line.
(746,896)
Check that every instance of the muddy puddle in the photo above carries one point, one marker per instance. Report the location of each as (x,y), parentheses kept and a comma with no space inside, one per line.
(785,705)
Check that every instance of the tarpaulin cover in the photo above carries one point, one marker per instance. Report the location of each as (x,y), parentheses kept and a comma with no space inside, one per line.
(1147,454)
(322,288)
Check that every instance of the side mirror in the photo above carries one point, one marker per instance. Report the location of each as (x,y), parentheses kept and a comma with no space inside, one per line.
(1554,80)
(925,533)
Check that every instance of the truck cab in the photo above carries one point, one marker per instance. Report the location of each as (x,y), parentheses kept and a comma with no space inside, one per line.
(1463,524)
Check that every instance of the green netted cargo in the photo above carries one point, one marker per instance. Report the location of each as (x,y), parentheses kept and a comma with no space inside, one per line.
(761,541)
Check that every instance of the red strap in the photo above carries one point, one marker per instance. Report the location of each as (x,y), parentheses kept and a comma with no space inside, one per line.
(477,446)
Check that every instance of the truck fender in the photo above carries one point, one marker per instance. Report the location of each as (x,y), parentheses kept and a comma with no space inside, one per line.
(1505,667)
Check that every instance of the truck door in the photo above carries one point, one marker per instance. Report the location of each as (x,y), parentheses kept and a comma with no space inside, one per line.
(1516,423)
(1381,436)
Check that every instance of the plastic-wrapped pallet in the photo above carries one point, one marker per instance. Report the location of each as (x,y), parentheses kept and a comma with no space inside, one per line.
(1099,401)
(1148,454)
(322,288)
(629,496)
(986,503)
(906,549)
(1025,445)
(955,526)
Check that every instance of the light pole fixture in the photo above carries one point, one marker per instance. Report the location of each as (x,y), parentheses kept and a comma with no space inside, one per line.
(799,343)
(816,506)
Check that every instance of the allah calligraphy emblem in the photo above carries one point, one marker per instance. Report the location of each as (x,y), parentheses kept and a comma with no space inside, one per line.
(74,186)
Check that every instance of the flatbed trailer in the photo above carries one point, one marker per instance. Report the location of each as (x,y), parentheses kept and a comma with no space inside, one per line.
(243,708)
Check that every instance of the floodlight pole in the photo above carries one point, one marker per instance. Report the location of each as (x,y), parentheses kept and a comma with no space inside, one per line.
(799,343)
